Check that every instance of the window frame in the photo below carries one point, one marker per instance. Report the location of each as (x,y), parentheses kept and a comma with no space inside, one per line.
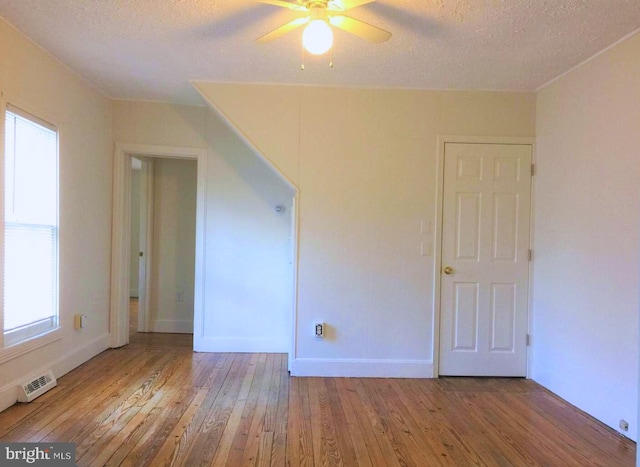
(9,351)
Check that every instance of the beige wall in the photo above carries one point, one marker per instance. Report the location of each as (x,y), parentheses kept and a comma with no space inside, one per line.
(36,82)
(365,164)
(587,236)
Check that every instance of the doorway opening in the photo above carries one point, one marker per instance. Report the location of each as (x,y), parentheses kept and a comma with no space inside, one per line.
(151,278)
(162,253)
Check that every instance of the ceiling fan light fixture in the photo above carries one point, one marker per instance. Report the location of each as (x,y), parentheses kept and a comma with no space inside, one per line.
(317,37)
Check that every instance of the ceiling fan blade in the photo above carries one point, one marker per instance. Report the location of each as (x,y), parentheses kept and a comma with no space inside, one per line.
(291,6)
(343,5)
(360,28)
(282,30)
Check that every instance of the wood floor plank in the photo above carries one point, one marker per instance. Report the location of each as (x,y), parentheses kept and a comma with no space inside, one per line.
(365,446)
(522,428)
(56,418)
(416,431)
(299,439)
(369,418)
(43,406)
(255,437)
(294,430)
(233,423)
(221,369)
(345,440)
(315,422)
(122,398)
(271,407)
(151,392)
(243,428)
(498,436)
(578,428)
(148,426)
(101,451)
(393,428)
(214,427)
(266,448)
(330,453)
(171,414)
(170,450)
(130,454)
(18,415)
(280,436)
(156,403)
(445,432)
(463,424)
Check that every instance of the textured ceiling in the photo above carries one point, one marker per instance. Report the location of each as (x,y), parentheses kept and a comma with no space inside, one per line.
(150,49)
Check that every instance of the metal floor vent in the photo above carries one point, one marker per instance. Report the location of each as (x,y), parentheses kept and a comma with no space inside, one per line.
(33,388)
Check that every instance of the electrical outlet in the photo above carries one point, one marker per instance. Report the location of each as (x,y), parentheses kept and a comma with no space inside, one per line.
(79,321)
(179,296)
(624,425)
(319,329)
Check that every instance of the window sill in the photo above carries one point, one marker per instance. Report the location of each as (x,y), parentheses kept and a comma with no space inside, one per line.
(32,344)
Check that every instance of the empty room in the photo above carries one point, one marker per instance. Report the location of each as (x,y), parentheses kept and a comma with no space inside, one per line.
(347,232)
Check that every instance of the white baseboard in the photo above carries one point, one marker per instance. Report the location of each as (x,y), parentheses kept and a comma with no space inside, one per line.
(242,344)
(596,405)
(60,366)
(172,326)
(362,368)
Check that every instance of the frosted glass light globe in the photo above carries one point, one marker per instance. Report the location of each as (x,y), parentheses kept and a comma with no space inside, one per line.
(317,37)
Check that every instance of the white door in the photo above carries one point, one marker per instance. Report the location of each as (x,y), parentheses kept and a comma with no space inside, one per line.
(485,255)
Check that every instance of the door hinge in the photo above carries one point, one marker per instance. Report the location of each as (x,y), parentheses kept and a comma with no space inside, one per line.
(528,340)
(533,169)
(530,254)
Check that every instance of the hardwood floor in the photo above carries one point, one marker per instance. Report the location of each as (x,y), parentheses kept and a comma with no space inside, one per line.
(155,402)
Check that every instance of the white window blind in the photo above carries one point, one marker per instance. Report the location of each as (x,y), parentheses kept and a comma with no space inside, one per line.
(30,228)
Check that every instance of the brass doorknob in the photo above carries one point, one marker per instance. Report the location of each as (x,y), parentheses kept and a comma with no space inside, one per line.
(448,270)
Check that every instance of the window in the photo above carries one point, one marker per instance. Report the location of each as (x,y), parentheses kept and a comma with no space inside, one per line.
(30,227)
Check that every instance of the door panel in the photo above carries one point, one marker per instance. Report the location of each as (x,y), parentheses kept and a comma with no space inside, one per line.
(485,243)
(503,317)
(505,227)
(466,317)
(468,226)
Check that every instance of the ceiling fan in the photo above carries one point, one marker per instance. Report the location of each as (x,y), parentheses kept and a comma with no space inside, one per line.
(318,15)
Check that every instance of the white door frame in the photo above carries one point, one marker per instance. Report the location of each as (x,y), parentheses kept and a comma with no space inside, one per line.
(121,234)
(437,264)
(295,229)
